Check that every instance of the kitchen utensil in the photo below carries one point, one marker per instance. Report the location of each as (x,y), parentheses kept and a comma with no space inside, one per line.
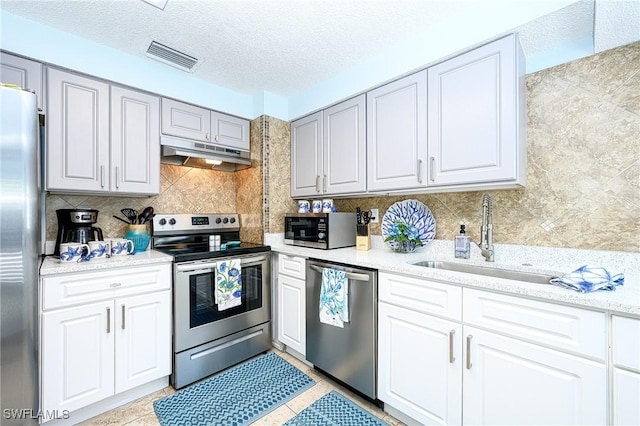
(121,219)
(358,215)
(146,214)
(366,216)
(130,214)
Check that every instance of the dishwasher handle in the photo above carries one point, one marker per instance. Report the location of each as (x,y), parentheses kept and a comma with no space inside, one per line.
(350,275)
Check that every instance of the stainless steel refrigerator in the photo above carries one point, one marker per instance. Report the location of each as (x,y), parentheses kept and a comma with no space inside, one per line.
(20,248)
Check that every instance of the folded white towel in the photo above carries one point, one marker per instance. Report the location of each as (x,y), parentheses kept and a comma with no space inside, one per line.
(228,284)
(588,278)
(334,298)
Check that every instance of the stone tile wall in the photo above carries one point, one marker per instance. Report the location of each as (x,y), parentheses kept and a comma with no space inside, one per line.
(182,190)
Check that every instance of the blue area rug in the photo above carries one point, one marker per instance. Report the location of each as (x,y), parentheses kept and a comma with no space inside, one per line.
(334,409)
(235,397)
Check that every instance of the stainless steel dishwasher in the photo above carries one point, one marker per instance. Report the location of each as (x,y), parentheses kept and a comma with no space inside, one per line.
(349,353)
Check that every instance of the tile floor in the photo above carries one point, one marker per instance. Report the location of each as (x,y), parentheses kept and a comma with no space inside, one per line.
(140,412)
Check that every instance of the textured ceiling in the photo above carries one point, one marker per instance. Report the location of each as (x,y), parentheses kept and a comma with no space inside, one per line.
(280,46)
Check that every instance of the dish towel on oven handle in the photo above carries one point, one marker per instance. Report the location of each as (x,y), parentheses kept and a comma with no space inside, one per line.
(334,298)
(228,284)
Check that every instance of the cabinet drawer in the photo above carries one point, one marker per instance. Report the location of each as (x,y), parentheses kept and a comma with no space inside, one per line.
(292,266)
(566,328)
(82,287)
(625,342)
(421,295)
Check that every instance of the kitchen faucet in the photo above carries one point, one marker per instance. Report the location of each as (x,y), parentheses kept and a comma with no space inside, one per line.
(486,230)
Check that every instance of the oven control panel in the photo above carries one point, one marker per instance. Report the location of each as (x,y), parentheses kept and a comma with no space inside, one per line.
(186,223)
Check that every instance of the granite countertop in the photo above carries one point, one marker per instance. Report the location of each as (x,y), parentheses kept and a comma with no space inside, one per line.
(52,265)
(625,299)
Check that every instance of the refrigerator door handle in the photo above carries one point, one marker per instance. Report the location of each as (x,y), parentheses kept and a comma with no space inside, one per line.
(350,275)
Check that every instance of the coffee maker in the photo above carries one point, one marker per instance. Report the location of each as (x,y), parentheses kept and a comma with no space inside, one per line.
(76,225)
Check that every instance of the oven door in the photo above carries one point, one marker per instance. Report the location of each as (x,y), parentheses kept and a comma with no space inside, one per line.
(197,318)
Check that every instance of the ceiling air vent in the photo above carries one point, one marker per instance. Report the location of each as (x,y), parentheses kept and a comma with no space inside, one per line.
(171,57)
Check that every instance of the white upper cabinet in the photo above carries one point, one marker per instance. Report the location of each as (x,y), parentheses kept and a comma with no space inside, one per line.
(476,119)
(344,156)
(24,73)
(135,142)
(328,151)
(101,139)
(193,122)
(397,134)
(306,156)
(184,120)
(232,132)
(77,144)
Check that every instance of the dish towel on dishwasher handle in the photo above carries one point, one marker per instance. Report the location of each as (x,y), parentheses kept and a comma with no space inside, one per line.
(228,284)
(334,297)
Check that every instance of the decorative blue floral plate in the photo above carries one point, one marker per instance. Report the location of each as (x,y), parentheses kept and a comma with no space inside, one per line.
(417,216)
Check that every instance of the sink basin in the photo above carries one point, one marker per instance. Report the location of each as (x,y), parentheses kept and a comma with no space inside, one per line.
(508,274)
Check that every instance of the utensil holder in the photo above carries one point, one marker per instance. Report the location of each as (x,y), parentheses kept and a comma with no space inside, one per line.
(363,242)
(363,239)
(140,237)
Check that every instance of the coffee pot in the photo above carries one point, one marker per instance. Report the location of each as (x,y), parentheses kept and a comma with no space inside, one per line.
(76,225)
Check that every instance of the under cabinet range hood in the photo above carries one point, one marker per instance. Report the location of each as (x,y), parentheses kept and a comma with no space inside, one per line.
(191,153)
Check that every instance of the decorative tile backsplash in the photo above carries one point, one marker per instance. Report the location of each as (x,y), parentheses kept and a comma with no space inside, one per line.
(583,186)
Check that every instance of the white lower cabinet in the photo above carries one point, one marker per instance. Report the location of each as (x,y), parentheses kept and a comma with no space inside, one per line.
(77,356)
(625,373)
(291,302)
(508,382)
(143,351)
(420,365)
(419,352)
(98,348)
(441,361)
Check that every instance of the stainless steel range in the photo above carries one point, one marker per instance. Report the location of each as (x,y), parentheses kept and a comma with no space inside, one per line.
(209,333)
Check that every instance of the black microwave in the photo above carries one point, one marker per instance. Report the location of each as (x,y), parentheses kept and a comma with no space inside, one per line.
(320,230)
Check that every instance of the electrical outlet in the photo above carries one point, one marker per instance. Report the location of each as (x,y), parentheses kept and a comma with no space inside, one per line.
(374,216)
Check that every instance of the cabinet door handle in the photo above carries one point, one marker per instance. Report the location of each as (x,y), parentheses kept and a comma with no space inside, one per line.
(108,320)
(217,138)
(317,183)
(451,357)
(432,168)
(101,176)
(419,171)
(469,337)
(123,316)
(324,183)
(207,137)
(117,178)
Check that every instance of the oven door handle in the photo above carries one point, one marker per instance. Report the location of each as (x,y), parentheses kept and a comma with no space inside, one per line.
(202,267)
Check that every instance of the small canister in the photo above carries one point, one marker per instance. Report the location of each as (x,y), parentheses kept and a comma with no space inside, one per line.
(214,242)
